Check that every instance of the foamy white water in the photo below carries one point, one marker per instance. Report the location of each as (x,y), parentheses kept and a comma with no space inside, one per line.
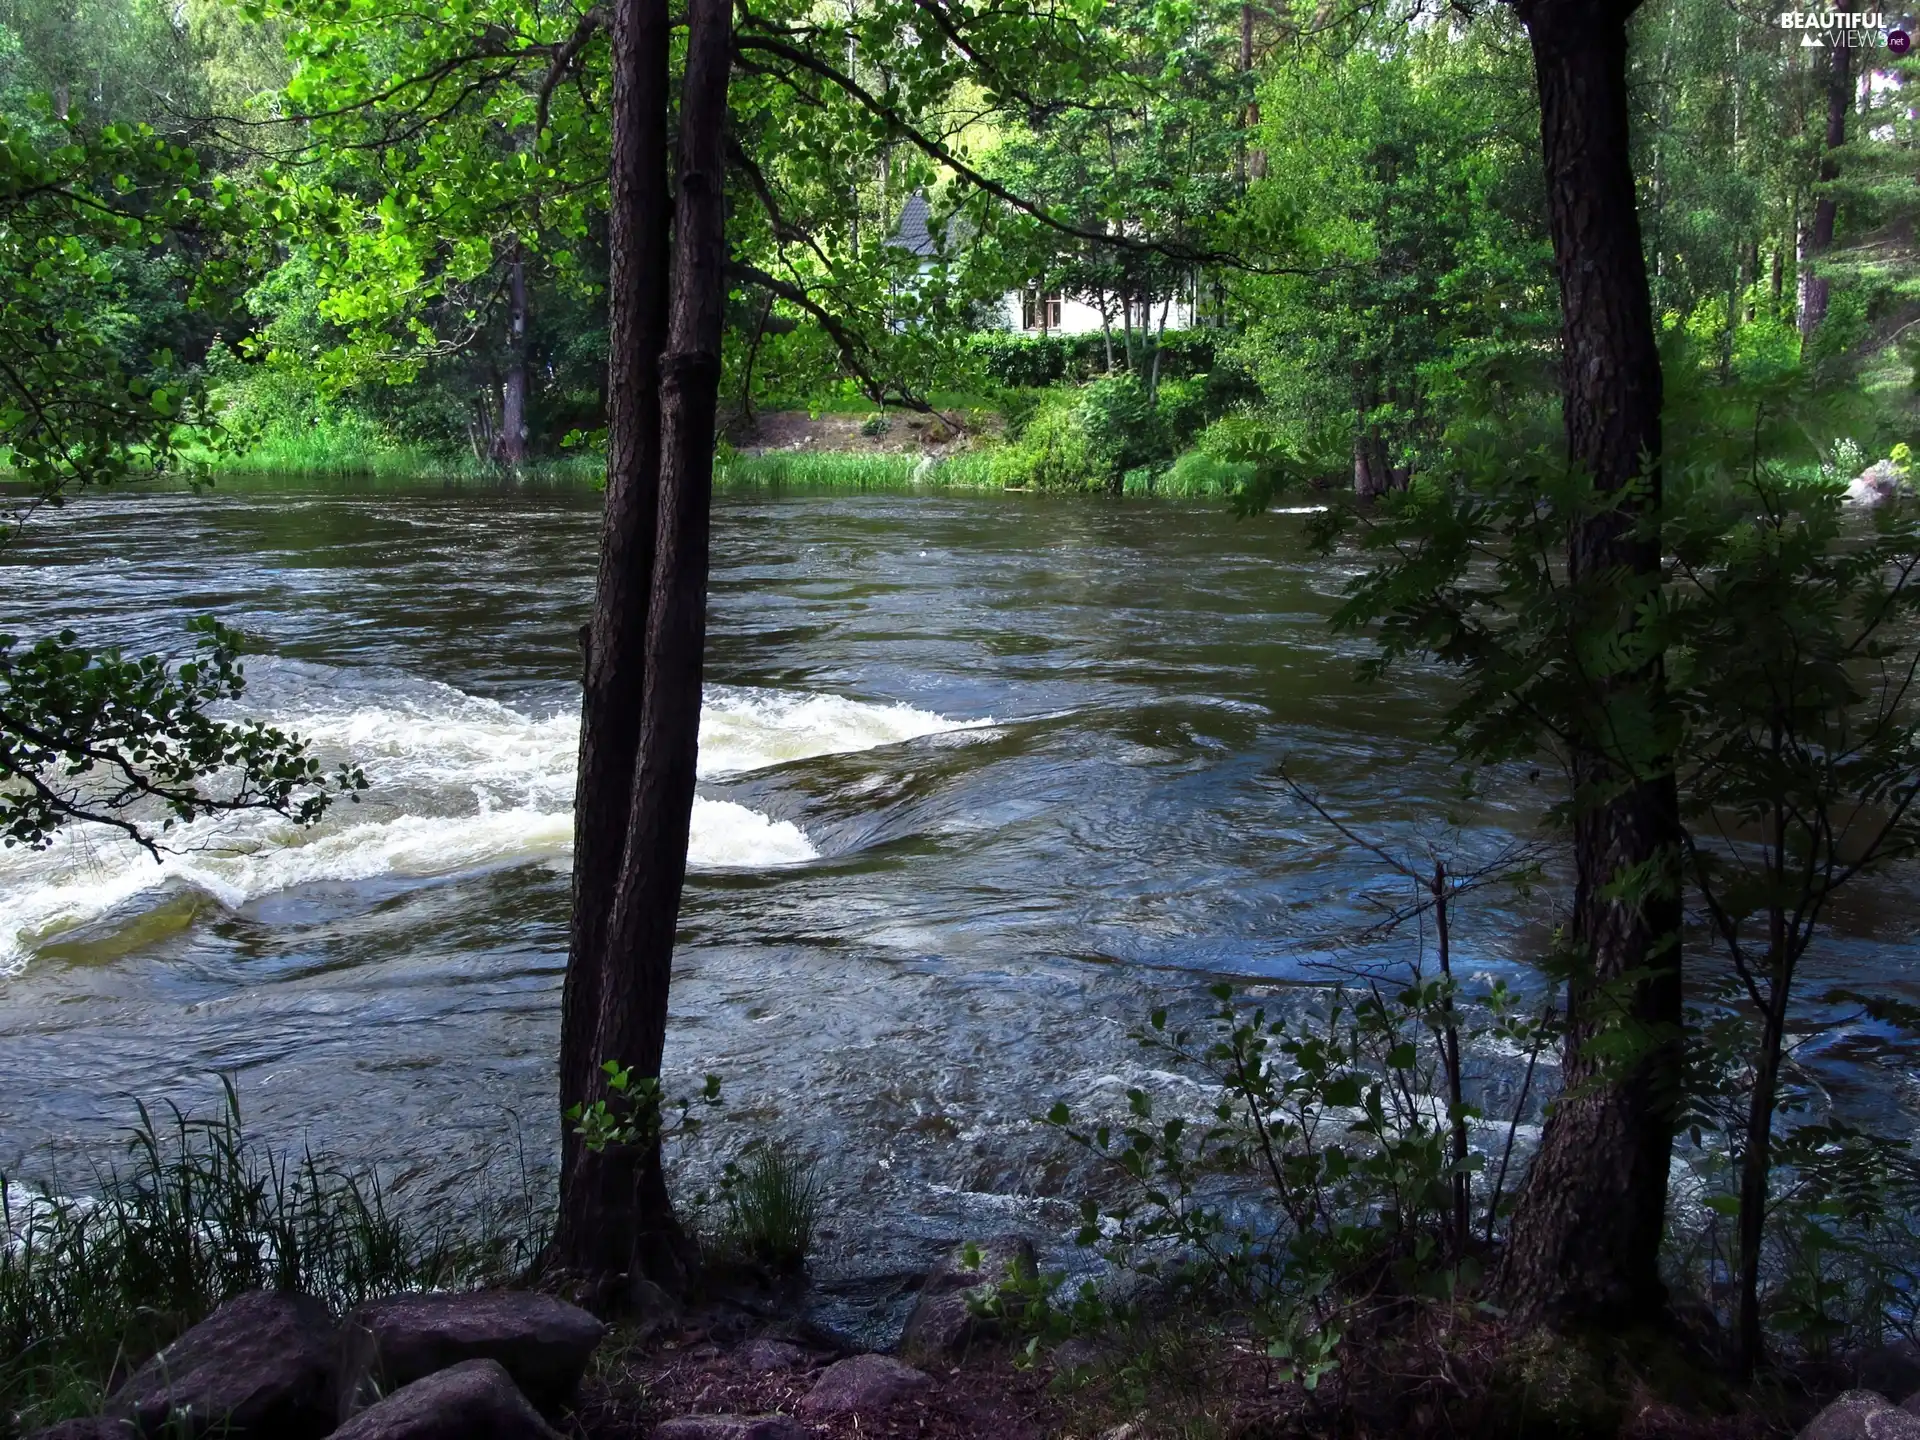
(458,783)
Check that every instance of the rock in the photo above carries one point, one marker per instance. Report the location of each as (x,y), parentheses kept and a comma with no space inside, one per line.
(1862,1415)
(730,1427)
(863,1383)
(1912,1403)
(474,1400)
(543,1343)
(943,1324)
(765,1357)
(261,1365)
(1890,1369)
(1880,483)
(1072,1355)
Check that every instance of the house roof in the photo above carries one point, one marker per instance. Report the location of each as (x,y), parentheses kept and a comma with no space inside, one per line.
(918,233)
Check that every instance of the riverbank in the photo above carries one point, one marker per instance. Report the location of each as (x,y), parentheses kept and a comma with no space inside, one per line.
(960,448)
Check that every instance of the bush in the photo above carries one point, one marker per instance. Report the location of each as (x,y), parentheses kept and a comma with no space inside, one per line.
(1198,474)
(1085,439)
(1051,451)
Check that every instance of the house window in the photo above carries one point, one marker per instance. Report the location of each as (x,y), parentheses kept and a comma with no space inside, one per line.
(1039,312)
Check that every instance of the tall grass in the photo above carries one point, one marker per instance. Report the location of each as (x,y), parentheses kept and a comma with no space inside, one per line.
(840,470)
(772,1204)
(197,1214)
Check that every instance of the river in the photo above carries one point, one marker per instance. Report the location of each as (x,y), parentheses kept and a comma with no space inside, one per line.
(982,776)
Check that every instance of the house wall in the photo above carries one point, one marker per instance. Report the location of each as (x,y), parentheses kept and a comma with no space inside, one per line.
(1079,318)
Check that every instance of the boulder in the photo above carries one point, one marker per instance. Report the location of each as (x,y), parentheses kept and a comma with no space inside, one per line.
(730,1427)
(1890,1369)
(766,1357)
(1880,483)
(543,1343)
(1862,1415)
(943,1324)
(262,1365)
(474,1400)
(862,1384)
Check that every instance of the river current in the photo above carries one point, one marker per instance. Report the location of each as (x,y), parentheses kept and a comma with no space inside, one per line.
(982,777)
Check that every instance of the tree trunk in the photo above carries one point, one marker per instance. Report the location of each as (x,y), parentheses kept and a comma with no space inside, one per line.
(1756,1166)
(646,904)
(1820,239)
(598,1191)
(1585,1241)
(513,390)
(1159,343)
(1440,888)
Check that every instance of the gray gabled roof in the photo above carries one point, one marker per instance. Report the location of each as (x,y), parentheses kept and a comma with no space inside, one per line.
(918,233)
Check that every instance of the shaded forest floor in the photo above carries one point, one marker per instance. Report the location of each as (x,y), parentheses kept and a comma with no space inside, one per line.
(1196,1387)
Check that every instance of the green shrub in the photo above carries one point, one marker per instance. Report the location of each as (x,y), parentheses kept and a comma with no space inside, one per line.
(1198,474)
(1085,439)
(1052,450)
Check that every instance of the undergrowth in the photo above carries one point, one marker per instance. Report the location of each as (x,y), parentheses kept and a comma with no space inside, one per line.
(198,1212)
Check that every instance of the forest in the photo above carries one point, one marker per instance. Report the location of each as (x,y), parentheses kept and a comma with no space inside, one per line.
(959,717)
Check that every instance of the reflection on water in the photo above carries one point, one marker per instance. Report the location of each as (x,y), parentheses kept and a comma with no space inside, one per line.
(980,774)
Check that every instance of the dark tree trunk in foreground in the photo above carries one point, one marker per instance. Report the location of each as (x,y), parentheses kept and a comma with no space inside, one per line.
(597,1191)
(1820,240)
(1585,1242)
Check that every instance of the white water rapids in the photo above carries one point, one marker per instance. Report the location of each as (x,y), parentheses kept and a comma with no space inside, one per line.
(457,783)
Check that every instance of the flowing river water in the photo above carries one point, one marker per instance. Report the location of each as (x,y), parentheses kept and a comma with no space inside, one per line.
(982,777)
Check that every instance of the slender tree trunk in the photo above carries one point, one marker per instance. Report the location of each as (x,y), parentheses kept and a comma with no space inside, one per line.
(513,388)
(646,904)
(1585,1241)
(598,1192)
(1159,343)
(1450,1057)
(1756,1167)
(1820,238)
(1106,326)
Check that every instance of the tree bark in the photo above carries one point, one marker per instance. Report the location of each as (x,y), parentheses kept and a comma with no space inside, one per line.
(1756,1168)
(512,439)
(598,1190)
(1826,207)
(632,1020)
(1585,1241)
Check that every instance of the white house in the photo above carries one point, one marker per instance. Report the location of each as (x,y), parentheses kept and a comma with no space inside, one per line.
(1029,311)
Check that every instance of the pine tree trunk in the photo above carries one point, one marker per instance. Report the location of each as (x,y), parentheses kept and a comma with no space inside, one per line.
(597,1191)
(1585,1241)
(1826,207)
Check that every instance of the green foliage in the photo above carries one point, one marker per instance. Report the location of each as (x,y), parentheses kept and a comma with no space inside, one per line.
(772,1204)
(633,1112)
(1091,438)
(88,735)
(1198,474)
(199,1214)
(1312,1191)
(830,470)
(1034,361)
